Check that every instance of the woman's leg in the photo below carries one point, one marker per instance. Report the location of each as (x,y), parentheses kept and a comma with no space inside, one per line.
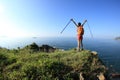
(81,43)
(78,45)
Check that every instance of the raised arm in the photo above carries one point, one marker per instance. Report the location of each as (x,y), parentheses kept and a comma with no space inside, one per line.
(74,22)
(84,22)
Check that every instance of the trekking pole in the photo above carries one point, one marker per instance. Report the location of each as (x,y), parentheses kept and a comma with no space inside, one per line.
(90,29)
(65,26)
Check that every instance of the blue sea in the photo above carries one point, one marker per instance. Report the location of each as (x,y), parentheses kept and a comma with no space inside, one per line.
(108,49)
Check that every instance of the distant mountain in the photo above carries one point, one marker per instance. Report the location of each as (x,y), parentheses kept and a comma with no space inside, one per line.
(117,38)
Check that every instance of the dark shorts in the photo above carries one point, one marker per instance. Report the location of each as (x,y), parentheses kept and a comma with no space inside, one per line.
(79,37)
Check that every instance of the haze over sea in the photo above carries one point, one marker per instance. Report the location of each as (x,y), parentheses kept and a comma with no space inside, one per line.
(108,49)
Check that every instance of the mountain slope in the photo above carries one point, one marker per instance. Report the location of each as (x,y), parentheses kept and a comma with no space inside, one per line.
(59,65)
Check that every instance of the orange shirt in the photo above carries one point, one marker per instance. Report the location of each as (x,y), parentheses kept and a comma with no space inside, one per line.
(80,30)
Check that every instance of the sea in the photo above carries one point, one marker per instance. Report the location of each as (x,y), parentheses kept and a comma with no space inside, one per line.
(107,49)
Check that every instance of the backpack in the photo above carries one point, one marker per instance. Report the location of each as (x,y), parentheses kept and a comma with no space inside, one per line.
(80,30)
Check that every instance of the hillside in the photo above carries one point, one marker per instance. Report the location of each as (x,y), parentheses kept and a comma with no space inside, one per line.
(27,64)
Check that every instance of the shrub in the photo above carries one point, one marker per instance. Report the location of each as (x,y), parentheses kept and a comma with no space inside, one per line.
(32,47)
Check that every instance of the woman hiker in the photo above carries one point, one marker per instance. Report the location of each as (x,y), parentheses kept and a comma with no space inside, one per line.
(80,33)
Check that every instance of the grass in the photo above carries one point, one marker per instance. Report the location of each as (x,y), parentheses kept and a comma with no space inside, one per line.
(60,65)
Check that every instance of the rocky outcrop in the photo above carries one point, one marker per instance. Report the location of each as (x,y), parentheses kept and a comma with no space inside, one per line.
(47,48)
(81,76)
(44,48)
(101,76)
(117,38)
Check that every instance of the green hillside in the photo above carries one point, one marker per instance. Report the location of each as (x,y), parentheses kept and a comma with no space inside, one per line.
(26,64)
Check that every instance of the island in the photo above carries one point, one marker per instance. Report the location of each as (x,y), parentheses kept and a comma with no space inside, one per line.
(117,38)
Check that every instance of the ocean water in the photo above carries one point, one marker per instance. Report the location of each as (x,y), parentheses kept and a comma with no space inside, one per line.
(108,49)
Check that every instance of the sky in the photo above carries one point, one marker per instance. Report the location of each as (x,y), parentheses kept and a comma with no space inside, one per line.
(47,18)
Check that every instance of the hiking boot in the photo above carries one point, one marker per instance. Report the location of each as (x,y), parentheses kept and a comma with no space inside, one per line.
(81,49)
(78,49)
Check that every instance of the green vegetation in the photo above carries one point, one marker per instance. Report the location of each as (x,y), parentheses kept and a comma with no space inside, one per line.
(29,64)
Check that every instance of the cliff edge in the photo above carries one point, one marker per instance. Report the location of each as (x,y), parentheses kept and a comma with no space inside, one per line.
(23,64)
